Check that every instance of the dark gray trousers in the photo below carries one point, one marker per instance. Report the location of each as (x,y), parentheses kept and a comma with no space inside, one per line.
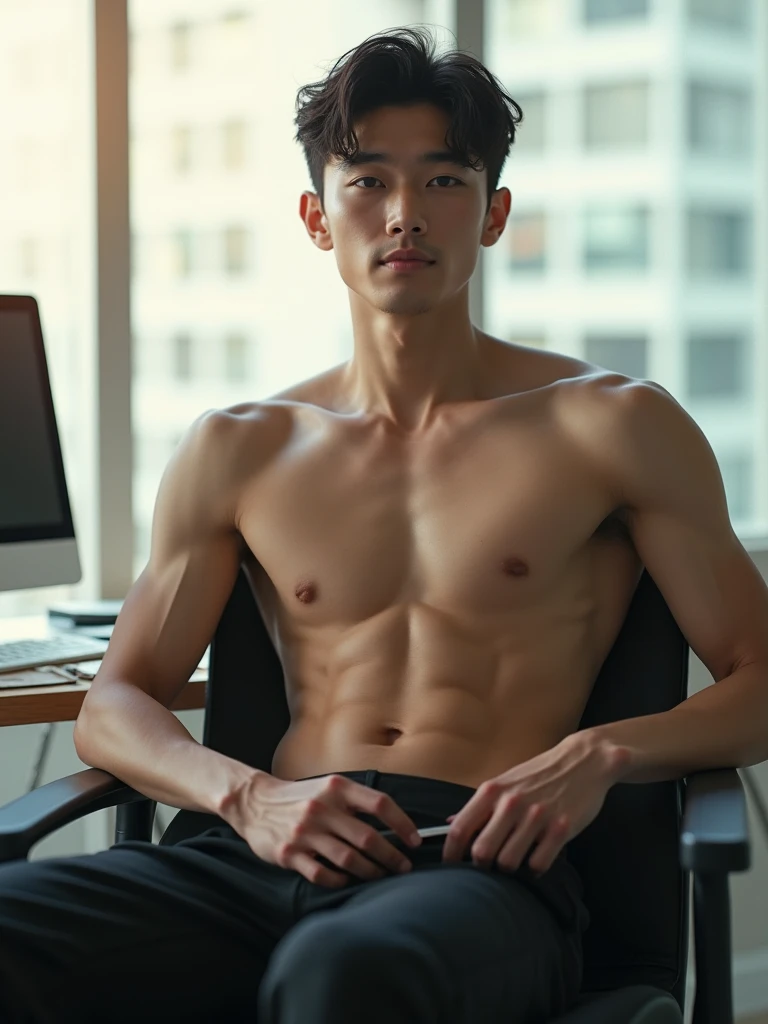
(207,931)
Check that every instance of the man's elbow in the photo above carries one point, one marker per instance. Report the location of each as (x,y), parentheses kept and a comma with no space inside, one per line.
(83,738)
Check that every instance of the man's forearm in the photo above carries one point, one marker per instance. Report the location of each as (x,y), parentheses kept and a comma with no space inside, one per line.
(725,725)
(144,745)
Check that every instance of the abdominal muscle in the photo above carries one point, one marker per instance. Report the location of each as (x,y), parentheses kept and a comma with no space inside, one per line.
(447,715)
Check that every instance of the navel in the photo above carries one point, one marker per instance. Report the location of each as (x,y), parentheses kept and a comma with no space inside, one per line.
(512,566)
(306,591)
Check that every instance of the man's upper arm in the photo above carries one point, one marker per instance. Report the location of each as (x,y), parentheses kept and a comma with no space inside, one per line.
(668,479)
(170,613)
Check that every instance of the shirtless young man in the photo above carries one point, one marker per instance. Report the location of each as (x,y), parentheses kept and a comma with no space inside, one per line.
(439,536)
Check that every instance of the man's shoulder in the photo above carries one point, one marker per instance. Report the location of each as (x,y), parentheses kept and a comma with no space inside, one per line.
(595,410)
(529,369)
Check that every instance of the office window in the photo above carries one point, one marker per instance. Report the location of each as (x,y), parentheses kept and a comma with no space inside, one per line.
(615,239)
(719,242)
(181,141)
(616,115)
(236,368)
(182,254)
(627,354)
(737,471)
(235,250)
(182,356)
(731,15)
(180,37)
(527,240)
(716,365)
(599,11)
(530,134)
(233,144)
(46,247)
(719,119)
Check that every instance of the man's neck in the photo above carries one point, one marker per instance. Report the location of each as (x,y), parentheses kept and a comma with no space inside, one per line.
(402,377)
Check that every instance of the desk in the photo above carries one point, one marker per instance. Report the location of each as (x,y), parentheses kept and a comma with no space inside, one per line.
(62,702)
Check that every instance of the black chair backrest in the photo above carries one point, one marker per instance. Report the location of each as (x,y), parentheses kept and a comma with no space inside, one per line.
(628,857)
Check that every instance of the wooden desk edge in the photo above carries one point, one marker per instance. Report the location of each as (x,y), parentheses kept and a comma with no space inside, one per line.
(32,704)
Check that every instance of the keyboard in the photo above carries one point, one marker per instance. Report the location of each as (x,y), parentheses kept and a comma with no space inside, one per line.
(16,655)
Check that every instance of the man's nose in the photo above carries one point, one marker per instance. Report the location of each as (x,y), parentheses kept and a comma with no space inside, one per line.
(405,216)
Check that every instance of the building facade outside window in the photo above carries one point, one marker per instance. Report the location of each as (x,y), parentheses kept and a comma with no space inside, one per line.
(182,357)
(598,12)
(717,365)
(719,242)
(720,120)
(527,241)
(616,115)
(616,239)
(721,15)
(627,355)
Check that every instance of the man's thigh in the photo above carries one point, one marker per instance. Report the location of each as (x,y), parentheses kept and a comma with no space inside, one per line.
(486,946)
(140,932)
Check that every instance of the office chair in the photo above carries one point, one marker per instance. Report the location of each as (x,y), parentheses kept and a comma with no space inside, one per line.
(634,858)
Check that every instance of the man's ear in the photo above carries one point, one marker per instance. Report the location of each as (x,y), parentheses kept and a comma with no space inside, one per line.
(496,218)
(315,220)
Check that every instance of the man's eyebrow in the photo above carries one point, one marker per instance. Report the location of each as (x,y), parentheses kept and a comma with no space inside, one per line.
(437,156)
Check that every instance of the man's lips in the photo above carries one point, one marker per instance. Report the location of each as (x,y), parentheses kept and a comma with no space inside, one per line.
(406,259)
(410,263)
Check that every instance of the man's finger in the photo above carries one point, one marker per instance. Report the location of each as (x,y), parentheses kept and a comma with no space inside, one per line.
(466,827)
(548,847)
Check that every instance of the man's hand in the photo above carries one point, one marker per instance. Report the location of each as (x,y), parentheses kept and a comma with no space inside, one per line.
(288,823)
(546,801)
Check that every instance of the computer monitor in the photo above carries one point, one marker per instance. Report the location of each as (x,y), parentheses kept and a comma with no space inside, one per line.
(37,537)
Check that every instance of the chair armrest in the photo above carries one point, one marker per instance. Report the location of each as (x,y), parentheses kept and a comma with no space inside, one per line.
(715,832)
(31,817)
(713,842)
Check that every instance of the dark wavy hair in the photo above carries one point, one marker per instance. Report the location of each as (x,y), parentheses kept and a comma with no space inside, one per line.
(399,67)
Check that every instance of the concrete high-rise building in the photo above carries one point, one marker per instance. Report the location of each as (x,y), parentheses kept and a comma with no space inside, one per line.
(636,238)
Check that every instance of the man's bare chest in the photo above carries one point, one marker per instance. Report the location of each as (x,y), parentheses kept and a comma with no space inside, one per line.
(495,515)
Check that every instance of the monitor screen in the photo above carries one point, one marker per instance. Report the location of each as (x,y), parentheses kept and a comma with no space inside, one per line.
(34,504)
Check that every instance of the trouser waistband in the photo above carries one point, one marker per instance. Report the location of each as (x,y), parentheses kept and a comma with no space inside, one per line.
(428,801)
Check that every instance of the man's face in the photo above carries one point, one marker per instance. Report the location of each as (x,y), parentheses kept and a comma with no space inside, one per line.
(399,200)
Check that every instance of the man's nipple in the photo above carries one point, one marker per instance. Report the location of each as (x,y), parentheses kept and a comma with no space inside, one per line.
(306,591)
(512,566)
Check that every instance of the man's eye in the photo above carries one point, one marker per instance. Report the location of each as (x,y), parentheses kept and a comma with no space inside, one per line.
(449,177)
